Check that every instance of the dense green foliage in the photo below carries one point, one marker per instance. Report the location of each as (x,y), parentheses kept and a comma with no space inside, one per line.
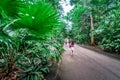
(32,33)
(30,39)
(80,30)
(106,17)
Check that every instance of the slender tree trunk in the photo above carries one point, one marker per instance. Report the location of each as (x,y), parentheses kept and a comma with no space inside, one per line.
(92,28)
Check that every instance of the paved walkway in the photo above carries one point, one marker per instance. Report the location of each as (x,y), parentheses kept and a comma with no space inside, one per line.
(88,65)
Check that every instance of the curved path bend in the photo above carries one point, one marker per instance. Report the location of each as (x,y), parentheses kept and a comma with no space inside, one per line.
(86,64)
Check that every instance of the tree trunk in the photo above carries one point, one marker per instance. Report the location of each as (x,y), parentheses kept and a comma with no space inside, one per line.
(92,28)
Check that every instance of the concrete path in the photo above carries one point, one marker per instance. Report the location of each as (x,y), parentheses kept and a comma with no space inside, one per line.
(88,65)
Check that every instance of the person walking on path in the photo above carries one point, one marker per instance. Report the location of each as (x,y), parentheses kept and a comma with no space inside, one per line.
(71,46)
(67,42)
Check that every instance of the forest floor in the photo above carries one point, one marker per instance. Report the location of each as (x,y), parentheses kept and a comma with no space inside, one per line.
(89,63)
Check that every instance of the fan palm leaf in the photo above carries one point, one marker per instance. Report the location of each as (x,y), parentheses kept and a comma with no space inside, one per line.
(39,18)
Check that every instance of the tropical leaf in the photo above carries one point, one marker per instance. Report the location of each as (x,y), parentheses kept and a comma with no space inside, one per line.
(39,18)
(4,37)
(10,7)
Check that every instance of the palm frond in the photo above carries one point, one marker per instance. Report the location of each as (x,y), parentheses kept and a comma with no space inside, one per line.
(10,7)
(39,18)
